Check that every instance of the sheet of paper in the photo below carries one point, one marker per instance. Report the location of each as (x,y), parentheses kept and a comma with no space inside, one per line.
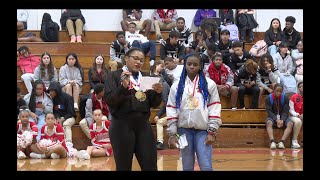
(147,82)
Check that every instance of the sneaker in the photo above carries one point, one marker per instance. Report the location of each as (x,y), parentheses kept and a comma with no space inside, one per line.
(76,108)
(160,146)
(281,145)
(234,108)
(54,156)
(73,39)
(151,63)
(21,155)
(295,144)
(34,155)
(273,145)
(79,39)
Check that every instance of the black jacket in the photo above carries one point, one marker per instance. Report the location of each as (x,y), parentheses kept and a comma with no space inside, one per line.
(235,62)
(72,14)
(122,102)
(224,50)
(63,104)
(270,37)
(272,110)
(292,39)
(242,76)
(167,50)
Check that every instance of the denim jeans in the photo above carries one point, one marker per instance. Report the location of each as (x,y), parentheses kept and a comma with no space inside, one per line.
(272,50)
(146,47)
(196,145)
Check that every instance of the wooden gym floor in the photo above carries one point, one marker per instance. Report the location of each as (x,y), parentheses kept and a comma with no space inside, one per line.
(224,159)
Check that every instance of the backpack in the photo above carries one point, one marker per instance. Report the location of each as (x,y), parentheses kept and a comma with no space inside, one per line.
(234,31)
(281,100)
(49,30)
(259,49)
(289,83)
(82,104)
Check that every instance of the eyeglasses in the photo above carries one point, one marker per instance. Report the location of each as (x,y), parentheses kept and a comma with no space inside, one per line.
(138,59)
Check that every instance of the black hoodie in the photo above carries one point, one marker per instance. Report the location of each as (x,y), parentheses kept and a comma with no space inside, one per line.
(63,104)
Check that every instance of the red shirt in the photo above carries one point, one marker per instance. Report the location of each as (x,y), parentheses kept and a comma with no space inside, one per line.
(297,99)
(56,136)
(28,64)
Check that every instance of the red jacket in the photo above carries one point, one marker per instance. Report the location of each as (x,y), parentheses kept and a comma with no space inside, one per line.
(28,64)
(170,14)
(297,100)
(222,76)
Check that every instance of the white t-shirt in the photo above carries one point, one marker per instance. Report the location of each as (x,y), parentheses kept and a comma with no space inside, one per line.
(130,37)
(176,73)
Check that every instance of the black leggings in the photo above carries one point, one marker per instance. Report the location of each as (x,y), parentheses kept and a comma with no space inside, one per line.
(133,136)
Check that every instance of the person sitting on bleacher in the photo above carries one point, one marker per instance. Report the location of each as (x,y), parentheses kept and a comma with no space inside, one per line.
(207,55)
(297,61)
(198,45)
(291,35)
(95,101)
(118,49)
(210,28)
(239,56)
(173,70)
(141,42)
(46,72)
(245,78)
(157,71)
(224,46)
(70,19)
(282,60)
(296,112)
(186,36)
(164,20)
(246,23)
(134,16)
(28,63)
(39,103)
(202,14)
(222,75)
(71,77)
(226,16)
(97,72)
(274,36)
(63,109)
(267,75)
(172,48)
(277,106)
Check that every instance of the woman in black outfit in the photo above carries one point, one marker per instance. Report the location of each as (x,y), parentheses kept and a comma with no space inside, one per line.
(130,130)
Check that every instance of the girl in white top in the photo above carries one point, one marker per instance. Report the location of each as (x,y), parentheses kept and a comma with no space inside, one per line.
(193,111)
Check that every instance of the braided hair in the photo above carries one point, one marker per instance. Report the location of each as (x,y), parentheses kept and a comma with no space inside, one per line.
(202,83)
(32,101)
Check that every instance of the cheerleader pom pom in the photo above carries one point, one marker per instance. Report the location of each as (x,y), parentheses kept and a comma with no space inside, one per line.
(24,139)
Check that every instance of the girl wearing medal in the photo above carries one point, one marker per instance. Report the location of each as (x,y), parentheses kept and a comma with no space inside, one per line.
(130,129)
(193,110)
(277,106)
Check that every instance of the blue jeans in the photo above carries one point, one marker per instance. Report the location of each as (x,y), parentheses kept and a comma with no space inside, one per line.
(243,33)
(40,123)
(272,50)
(146,47)
(196,139)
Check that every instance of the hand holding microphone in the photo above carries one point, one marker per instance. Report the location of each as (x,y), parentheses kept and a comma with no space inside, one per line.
(125,78)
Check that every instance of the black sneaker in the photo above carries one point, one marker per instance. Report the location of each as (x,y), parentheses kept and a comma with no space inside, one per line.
(159,38)
(160,146)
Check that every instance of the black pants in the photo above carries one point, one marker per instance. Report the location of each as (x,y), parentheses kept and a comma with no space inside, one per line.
(130,137)
(254,90)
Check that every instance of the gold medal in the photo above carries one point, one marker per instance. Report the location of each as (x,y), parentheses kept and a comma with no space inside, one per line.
(141,96)
(195,102)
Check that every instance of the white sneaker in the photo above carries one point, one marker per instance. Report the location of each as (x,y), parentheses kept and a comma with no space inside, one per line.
(295,144)
(76,108)
(83,154)
(34,155)
(151,62)
(21,155)
(234,108)
(273,145)
(54,156)
(281,145)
